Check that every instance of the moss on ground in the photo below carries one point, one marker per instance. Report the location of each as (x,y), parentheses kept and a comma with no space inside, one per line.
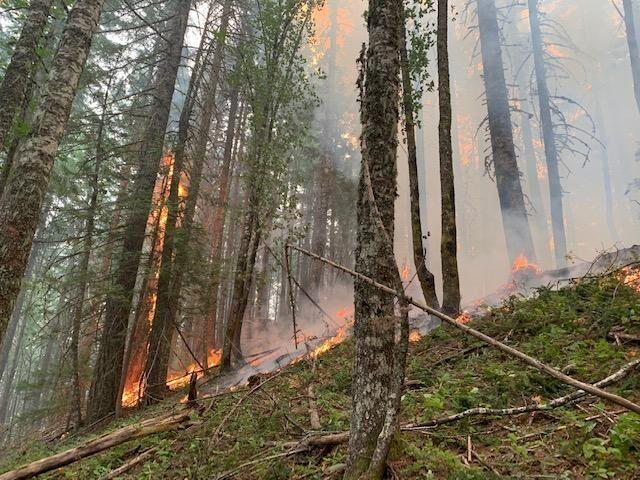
(566,329)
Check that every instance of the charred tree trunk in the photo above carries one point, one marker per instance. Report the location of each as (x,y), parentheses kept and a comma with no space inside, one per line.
(514,212)
(21,203)
(634,50)
(448,244)
(550,149)
(107,374)
(15,84)
(427,281)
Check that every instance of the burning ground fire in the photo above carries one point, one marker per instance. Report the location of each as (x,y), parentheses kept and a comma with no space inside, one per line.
(524,274)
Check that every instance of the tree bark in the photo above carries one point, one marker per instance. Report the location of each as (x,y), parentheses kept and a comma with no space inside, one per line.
(22,199)
(514,213)
(448,243)
(548,136)
(247,251)
(15,84)
(375,323)
(107,373)
(427,281)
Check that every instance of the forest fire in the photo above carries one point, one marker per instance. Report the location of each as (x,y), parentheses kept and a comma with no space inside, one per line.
(521,264)
(175,380)
(631,277)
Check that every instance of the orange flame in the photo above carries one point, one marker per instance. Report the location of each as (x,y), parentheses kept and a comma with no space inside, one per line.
(631,278)
(415,336)
(521,263)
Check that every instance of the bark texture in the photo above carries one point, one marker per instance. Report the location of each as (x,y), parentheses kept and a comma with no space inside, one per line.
(22,198)
(448,243)
(514,213)
(107,373)
(374,368)
(15,83)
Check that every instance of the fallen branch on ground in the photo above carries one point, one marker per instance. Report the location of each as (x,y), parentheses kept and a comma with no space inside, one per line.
(129,464)
(314,416)
(617,336)
(218,429)
(534,362)
(232,473)
(533,407)
(142,429)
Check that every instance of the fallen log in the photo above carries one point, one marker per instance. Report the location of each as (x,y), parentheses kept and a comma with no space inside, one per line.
(144,428)
(534,362)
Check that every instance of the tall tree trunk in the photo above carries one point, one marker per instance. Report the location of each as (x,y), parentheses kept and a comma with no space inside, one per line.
(15,84)
(83,270)
(8,382)
(514,212)
(448,244)
(21,203)
(107,373)
(217,226)
(634,51)
(427,281)
(548,136)
(377,365)
(609,210)
(32,267)
(319,227)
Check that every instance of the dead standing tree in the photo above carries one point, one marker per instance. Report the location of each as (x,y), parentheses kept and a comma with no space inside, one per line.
(512,206)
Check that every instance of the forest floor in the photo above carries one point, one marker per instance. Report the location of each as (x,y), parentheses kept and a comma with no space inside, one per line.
(251,433)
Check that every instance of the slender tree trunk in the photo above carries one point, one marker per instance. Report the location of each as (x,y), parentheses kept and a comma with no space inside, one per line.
(550,150)
(320,215)
(15,84)
(231,348)
(83,271)
(5,395)
(634,51)
(448,245)
(533,182)
(108,370)
(514,212)
(21,203)
(217,226)
(606,171)
(427,281)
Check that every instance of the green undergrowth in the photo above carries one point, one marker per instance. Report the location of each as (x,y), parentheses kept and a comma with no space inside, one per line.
(449,373)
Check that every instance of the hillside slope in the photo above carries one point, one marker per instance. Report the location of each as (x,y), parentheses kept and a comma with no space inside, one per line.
(255,432)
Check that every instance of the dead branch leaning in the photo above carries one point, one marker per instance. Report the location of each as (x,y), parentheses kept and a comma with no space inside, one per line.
(558,375)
